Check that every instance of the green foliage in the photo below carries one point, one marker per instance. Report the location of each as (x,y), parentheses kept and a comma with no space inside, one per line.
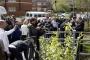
(65,5)
(69,50)
(82,5)
(1,0)
(53,49)
(60,6)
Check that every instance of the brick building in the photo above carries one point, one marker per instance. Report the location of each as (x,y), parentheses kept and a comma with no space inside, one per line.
(41,5)
(17,7)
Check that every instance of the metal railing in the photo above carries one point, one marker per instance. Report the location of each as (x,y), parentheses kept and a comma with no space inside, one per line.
(76,41)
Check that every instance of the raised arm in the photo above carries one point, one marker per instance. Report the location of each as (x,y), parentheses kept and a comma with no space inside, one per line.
(11,31)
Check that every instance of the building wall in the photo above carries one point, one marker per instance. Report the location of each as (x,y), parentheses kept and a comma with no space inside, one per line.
(16,8)
(41,5)
(19,9)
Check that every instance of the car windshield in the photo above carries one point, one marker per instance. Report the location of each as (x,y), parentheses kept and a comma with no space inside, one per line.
(35,15)
(39,15)
(30,15)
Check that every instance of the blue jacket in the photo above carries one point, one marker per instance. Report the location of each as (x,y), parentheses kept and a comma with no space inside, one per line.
(16,35)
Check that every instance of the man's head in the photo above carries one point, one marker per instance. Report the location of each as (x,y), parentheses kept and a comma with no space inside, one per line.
(3,24)
(33,21)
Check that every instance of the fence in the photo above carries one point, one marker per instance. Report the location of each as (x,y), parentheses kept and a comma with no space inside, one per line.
(76,41)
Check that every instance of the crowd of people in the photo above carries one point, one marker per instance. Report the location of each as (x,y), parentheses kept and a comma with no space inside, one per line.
(17,37)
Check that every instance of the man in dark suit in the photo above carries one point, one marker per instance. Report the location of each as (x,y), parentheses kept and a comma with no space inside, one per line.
(17,47)
(79,27)
(35,32)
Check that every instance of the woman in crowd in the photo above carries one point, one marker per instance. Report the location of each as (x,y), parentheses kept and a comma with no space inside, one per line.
(24,30)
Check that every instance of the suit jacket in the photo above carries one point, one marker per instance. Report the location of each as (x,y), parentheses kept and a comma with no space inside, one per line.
(80,26)
(20,45)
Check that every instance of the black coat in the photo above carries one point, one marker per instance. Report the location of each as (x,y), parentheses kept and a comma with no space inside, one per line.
(20,45)
(35,34)
(80,26)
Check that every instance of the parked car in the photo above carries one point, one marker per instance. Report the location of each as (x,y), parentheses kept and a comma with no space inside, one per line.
(38,15)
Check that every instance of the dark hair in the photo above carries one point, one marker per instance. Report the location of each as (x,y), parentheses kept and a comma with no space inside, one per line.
(33,19)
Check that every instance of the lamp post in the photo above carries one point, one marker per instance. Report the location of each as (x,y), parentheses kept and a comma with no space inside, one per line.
(73,1)
(5,5)
(55,5)
(87,13)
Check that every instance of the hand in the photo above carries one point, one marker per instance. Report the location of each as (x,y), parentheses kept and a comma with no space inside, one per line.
(15,27)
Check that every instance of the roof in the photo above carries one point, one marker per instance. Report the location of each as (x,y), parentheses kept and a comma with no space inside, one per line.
(40,0)
(36,12)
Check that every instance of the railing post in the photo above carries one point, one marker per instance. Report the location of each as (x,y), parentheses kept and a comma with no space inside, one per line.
(74,36)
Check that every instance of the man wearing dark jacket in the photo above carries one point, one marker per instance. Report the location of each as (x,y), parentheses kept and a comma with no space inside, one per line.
(79,27)
(16,35)
(16,48)
(35,32)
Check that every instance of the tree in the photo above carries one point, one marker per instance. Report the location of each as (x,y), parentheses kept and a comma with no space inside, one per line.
(60,5)
(83,5)
(63,5)
(1,0)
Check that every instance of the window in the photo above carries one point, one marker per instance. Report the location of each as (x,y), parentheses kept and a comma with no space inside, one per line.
(27,14)
(30,15)
(39,9)
(35,15)
(34,1)
(44,9)
(39,3)
(43,15)
(33,8)
(12,9)
(44,3)
(11,0)
(39,15)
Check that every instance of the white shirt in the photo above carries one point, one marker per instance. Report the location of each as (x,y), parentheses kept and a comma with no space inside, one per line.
(4,37)
(54,23)
(24,29)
